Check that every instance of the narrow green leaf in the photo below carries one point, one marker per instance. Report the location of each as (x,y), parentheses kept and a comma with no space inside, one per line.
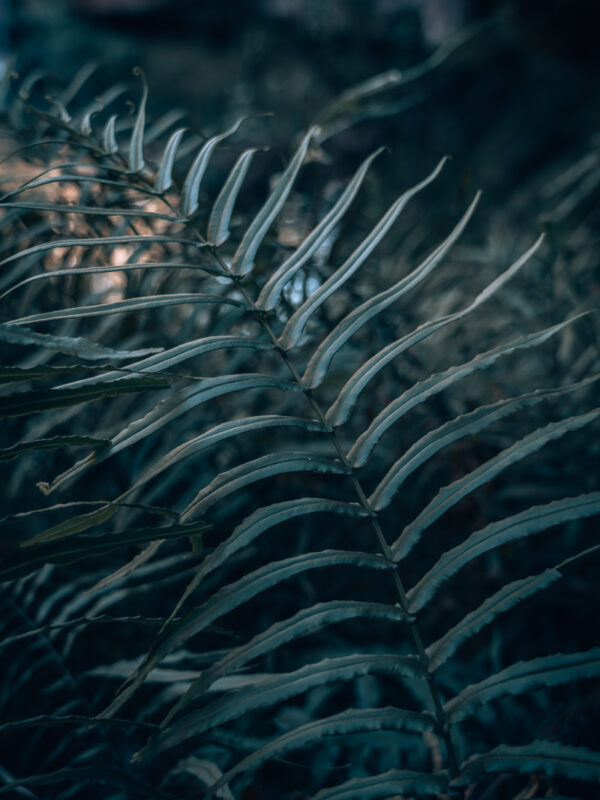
(109,141)
(72,526)
(448,496)
(321,360)
(280,687)
(136,144)
(297,322)
(218,224)
(503,600)
(547,758)
(50,444)
(523,677)
(232,596)
(127,306)
(302,623)
(191,186)
(351,721)
(346,400)
(363,447)
(164,178)
(527,523)
(68,551)
(258,469)
(82,348)
(388,784)
(271,292)
(34,402)
(458,428)
(10,375)
(243,260)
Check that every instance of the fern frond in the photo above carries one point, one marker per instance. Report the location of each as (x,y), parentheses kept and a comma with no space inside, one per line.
(528,523)
(523,677)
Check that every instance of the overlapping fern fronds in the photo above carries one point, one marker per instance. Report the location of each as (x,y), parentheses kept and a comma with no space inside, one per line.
(223,428)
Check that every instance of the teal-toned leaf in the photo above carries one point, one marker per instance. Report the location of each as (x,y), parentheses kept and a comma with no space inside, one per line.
(257,523)
(163,361)
(281,687)
(85,127)
(527,523)
(220,216)
(90,210)
(302,623)
(171,407)
(547,758)
(351,721)
(191,186)
(295,326)
(164,179)
(459,428)
(136,144)
(219,433)
(69,550)
(388,784)
(97,241)
(127,306)
(363,447)
(243,260)
(21,403)
(523,677)
(346,400)
(321,360)
(232,596)
(503,600)
(271,292)
(450,495)
(82,348)
(50,444)
(60,273)
(258,469)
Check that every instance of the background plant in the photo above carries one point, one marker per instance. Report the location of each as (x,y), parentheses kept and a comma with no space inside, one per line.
(116,278)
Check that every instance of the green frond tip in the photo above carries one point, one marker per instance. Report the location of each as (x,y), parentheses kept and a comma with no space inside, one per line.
(542,756)
(523,677)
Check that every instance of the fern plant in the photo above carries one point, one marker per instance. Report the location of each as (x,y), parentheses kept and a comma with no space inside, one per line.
(288,596)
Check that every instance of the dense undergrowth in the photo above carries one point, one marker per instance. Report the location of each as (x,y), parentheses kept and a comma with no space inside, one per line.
(298,528)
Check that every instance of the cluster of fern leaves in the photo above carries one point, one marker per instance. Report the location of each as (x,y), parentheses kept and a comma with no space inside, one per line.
(227,582)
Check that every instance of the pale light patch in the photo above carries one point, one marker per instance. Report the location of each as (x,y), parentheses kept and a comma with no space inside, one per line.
(110,284)
(120,255)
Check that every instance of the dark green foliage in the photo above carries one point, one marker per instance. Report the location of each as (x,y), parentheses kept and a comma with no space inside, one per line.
(247,435)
